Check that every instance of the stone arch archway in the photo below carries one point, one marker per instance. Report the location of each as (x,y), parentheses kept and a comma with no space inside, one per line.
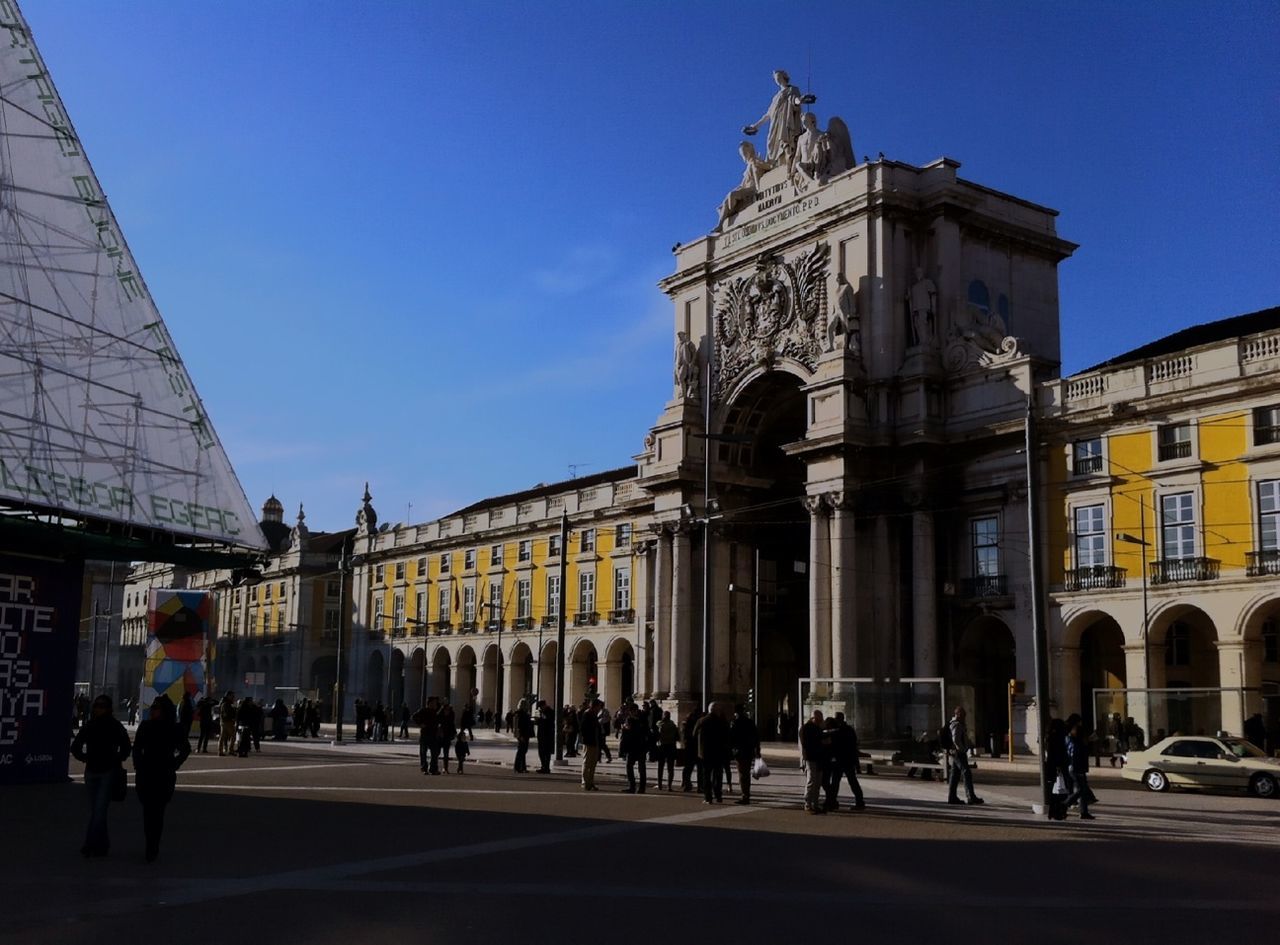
(583,668)
(547,672)
(1101,654)
(1259,659)
(491,669)
(439,683)
(619,682)
(985,662)
(1183,654)
(464,676)
(521,675)
(416,679)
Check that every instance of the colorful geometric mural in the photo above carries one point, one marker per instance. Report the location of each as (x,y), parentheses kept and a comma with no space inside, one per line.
(175,662)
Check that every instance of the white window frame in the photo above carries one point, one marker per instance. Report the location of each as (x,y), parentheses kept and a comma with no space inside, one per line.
(445,563)
(622,588)
(496,556)
(524,551)
(524,598)
(400,570)
(586,592)
(975,559)
(1268,499)
(469,604)
(587,541)
(397,611)
(553,595)
(420,607)
(444,603)
(622,535)
(1078,455)
(379,574)
(1184,543)
(553,546)
(469,560)
(1095,555)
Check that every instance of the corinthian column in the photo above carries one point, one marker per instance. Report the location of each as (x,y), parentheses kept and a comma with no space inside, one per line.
(682,610)
(819,588)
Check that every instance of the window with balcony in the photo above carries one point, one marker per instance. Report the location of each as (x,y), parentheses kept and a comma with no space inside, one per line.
(553,546)
(1174,441)
(524,551)
(524,599)
(379,608)
(623,535)
(1266,425)
(1086,457)
(984,543)
(1091,539)
(469,560)
(495,602)
(588,539)
(622,591)
(553,595)
(495,556)
(420,609)
(1178,525)
(586,592)
(397,613)
(400,570)
(469,604)
(1266,559)
(442,606)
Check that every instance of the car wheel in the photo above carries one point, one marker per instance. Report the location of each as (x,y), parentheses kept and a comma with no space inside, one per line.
(1262,785)
(1155,780)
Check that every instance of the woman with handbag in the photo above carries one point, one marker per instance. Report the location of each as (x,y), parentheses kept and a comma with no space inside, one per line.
(159,749)
(102,744)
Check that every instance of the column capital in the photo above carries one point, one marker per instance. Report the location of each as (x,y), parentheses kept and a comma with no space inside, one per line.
(815,504)
(839,501)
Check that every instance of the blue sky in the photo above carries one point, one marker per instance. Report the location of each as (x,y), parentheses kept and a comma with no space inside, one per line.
(417,243)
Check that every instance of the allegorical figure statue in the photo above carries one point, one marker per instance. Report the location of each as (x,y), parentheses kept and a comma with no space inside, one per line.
(844,318)
(922,303)
(823,154)
(741,196)
(783,117)
(686,366)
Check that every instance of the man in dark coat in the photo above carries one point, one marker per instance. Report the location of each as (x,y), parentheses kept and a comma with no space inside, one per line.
(844,763)
(428,721)
(102,744)
(205,707)
(813,751)
(159,749)
(187,713)
(546,725)
(711,733)
(634,746)
(690,746)
(745,741)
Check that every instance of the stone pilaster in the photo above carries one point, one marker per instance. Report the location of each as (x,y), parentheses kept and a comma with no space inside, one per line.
(924,594)
(683,607)
(660,682)
(844,587)
(819,588)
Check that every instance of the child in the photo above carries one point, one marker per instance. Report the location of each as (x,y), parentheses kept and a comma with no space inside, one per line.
(460,748)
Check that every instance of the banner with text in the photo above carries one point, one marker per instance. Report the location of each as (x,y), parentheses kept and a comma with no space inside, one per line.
(39,623)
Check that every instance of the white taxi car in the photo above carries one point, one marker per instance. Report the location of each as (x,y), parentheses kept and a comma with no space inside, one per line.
(1221,762)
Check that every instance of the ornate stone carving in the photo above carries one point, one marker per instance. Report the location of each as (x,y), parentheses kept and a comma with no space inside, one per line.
(844,318)
(299,536)
(978,337)
(778,311)
(815,504)
(687,368)
(366,518)
(783,116)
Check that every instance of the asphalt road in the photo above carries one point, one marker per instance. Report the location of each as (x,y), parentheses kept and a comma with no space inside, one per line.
(313,843)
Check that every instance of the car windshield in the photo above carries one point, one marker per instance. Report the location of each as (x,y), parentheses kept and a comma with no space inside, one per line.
(1243,749)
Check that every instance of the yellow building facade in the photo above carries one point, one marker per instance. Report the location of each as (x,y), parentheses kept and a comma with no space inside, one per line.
(1164,530)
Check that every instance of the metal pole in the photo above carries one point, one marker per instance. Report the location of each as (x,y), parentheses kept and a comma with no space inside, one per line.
(560,656)
(391,652)
(755,644)
(1039,648)
(111,607)
(1146,628)
(497,689)
(706,542)
(338,694)
(93,645)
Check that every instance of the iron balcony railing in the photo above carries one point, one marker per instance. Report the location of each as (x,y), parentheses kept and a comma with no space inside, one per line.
(986,585)
(1178,570)
(524,623)
(585,618)
(1175,449)
(1088,465)
(622,616)
(1093,577)
(1263,563)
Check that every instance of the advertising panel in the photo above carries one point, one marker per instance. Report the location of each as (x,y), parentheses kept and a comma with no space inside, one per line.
(178,627)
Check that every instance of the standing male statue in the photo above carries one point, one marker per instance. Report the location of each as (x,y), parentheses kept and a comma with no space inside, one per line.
(686,366)
(922,303)
(844,316)
(783,117)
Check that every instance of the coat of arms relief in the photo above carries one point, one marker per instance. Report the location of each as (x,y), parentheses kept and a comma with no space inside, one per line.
(778,311)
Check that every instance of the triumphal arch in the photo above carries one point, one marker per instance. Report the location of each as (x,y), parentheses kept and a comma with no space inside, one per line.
(856,341)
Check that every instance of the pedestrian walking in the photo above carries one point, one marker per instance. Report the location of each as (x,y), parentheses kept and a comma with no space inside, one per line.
(187,713)
(847,760)
(604,720)
(404,720)
(227,724)
(103,745)
(460,748)
(1056,771)
(634,747)
(689,746)
(668,736)
(1078,766)
(745,741)
(959,738)
(592,741)
(428,720)
(448,732)
(711,734)
(813,752)
(546,729)
(279,721)
(159,749)
(523,725)
(205,709)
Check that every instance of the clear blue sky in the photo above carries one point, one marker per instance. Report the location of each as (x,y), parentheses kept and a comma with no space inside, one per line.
(416,243)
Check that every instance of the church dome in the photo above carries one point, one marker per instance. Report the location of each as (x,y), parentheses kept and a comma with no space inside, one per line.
(273,510)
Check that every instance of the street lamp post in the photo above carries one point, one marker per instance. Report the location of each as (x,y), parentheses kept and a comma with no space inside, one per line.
(345,560)
(1146,628)
(754,591)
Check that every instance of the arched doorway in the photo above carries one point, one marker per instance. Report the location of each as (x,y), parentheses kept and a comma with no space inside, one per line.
(440,675)
(521,676)
(1184,655)
(1101,667)
(547,672)
(464,676)
(1261,664)
(490,676)
(415,684)
(984,665)
(619,682)
(759,423)
(396,694)
(583,673)
(375,673)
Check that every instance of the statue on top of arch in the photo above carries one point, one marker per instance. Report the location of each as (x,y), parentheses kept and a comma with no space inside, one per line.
(795,141)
